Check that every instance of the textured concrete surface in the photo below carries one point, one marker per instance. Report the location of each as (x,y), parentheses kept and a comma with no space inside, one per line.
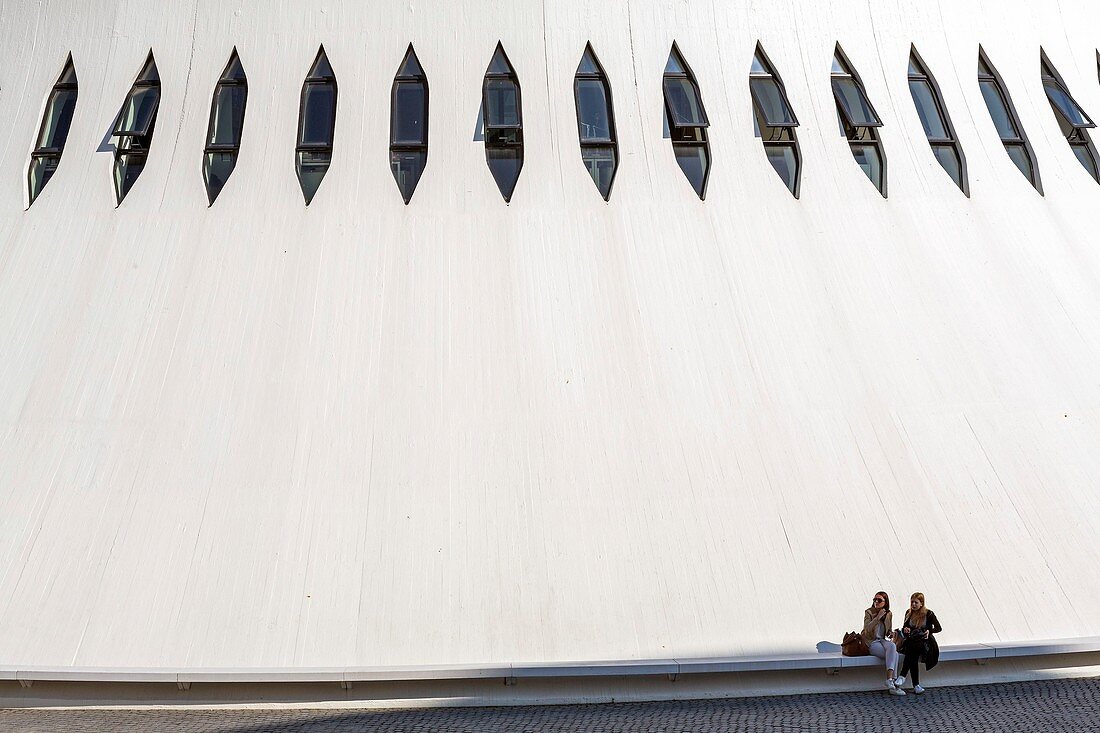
(1062,705)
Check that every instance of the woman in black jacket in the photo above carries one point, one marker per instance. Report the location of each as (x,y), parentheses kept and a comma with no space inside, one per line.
(918,641)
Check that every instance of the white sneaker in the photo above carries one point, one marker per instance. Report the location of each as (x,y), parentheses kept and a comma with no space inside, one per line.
(890,684)
(897,691)
(900,682)
(918,690)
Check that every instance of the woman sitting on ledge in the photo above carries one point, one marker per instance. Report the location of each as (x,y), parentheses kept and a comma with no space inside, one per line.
(878,622)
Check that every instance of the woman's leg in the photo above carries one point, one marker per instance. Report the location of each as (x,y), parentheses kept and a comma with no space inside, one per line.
(886,651)
(915,668)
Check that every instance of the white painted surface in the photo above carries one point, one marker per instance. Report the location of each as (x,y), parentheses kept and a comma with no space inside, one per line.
(458,432)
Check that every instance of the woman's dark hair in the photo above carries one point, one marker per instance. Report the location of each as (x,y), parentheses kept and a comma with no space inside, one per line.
(886,596)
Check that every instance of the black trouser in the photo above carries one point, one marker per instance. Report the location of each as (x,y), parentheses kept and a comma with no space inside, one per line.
(914,651)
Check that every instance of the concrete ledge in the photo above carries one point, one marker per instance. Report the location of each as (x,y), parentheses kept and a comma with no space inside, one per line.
(535,670)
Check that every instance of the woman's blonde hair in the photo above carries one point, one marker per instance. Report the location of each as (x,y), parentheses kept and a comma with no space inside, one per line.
(918,617)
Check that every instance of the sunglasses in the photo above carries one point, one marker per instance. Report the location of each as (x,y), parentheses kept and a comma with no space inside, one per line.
(879,600)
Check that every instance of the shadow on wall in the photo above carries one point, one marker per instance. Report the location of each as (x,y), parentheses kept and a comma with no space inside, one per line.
(828,647)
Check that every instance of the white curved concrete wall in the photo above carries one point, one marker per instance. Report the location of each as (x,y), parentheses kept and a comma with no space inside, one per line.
(260,434)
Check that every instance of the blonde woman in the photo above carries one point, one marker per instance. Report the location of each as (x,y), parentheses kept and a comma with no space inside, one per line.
(878,622)
(919,641)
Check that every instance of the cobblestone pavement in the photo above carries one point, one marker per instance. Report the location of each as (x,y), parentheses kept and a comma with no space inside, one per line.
(1041,707)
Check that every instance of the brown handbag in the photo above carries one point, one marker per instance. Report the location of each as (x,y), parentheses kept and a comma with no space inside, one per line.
(854,645)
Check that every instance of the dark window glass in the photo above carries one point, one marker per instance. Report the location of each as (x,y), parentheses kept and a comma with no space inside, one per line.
(998,110)
(694,161)
(407,167)
(216,169)
(409,125)
(505,164)
(58,119)
(53,132)
(318,114)
(784,159)
(502,119)
(134,128)
(684,104)
(312,167)
(593,117)
(928,111)
(316,126)
(139,112)
(949,159)
(596,122)
(858,121)
(774,121)
(227,119)
(1073,120)
(501,104)
(1085,157)
(854,104)
(1064,103)
(1009,129)
(771,102)
(1019,155)
(410,113)
(600,160)
(869,159)
(223,134)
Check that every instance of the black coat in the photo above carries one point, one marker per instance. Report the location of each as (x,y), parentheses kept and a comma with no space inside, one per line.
(928,649)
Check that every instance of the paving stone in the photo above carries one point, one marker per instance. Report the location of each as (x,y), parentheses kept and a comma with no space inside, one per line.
(1064,706)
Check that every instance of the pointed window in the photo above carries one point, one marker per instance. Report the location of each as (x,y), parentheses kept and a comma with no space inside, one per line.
(502,119)
(687,121)
(409,125)
(1003,114)
(774,120)
(596,122)
(858,121)
(1073,120)
(223,136)
(134,128)
(54,130)
(316,126)
(936,122)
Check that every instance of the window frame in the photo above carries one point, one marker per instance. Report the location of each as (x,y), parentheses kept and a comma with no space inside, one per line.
(502,137)
(612,141)
(858,135)
(301,147)
(132,144)
(1021,142)
(699,131)
(406,146)
(1077,137)
(238,132)
(788,129)
(951,139)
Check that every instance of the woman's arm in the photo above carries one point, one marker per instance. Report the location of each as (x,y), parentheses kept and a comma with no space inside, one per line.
(934,623)
(870,621)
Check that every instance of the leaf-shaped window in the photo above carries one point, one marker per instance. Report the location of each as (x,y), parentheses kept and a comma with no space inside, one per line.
(409,124)
(502,119)
(54,130)
(687,121)
(223,136)
(596,122)
(316,126)
(774,121)
(134,128)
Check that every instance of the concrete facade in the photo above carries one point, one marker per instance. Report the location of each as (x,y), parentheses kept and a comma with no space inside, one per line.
(260,434)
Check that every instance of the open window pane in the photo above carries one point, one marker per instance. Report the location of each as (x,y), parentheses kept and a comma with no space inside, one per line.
(1065,104)
(684,104)
(318,114)
(600,161)
(410,113)
(322,69)
(784,159)
(758,67)
(138,112)
(1085,157)
(411,66)
(771,102)
(998,110)
(924,97)
(593,111)
(216,169)
(407,167)
(501,104)
(227,118)
(58,119)
(854,104)
(694,160)
(870,160)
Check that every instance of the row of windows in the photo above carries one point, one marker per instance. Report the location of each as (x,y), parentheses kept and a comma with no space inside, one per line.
(774,122)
